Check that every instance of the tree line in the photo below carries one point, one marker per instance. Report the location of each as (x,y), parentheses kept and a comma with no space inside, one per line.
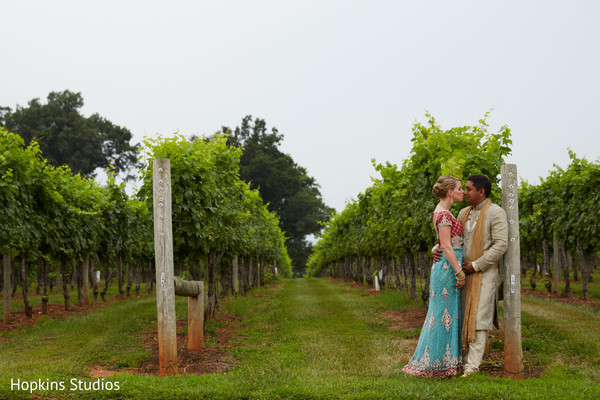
(88,144)
(66,137)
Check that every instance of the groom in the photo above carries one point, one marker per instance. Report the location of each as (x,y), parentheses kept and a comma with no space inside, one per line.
(485,233)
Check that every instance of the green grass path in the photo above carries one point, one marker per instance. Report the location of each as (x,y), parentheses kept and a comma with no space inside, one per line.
(302,339)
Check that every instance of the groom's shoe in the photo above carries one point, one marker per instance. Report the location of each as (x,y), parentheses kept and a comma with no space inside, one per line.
(469,371)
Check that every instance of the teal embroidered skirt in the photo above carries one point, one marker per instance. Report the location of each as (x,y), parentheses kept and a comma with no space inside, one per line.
(439,352)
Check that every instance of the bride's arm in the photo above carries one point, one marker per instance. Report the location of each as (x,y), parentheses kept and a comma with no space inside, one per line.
(446,246)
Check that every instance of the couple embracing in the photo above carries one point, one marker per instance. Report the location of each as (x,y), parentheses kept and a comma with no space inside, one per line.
(464,278)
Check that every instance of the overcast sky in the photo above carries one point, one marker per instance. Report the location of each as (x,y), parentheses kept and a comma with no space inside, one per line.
(344,81)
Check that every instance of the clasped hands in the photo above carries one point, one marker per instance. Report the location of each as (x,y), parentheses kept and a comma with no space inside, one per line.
(467,266)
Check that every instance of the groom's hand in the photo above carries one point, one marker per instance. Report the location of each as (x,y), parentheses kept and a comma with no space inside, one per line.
(468,268)
(436,254)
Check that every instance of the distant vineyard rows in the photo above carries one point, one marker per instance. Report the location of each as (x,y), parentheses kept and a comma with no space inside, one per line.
(54,221)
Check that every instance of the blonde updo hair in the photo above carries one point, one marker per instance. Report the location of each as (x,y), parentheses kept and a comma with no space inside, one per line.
(443,185)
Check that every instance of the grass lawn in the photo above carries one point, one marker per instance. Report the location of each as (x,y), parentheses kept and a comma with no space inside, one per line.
(300,339)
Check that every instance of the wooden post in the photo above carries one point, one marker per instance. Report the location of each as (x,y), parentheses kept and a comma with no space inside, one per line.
(555,263)
(6,259)
(256,272)
(250,273)
(261,273)
(194,290)
(196,320)
(187,288)
(513,351)
(163,252)
(235,278)
(85,279)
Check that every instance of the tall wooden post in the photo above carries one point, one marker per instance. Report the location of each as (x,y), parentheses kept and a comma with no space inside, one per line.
(513,351)
(163,251)
(235,278)
(85,279)
(6,259)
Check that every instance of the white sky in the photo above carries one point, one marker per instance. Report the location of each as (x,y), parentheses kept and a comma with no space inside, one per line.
(344,81)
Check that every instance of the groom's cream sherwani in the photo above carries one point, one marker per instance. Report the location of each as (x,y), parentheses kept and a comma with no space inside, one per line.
(494,246)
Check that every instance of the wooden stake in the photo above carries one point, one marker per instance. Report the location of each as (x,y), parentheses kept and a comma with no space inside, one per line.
(196,320)
(85,279)
(6,259)
(513,351)
(235,278)
(194,290)
(163,251)
(250,273)
(556,267)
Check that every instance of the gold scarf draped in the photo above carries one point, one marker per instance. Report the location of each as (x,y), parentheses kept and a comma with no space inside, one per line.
(473,287)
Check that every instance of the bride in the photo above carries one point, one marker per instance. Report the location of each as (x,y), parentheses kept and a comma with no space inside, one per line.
(438,352)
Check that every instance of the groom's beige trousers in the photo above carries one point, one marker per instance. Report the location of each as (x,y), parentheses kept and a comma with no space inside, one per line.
(473,355)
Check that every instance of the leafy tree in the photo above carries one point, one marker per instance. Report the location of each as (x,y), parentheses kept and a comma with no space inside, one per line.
(284,186)
(68,138)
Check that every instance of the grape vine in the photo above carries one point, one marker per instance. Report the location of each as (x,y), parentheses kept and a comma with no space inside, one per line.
(55,222)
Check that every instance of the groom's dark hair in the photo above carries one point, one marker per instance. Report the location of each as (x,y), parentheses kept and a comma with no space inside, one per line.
(481,182)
